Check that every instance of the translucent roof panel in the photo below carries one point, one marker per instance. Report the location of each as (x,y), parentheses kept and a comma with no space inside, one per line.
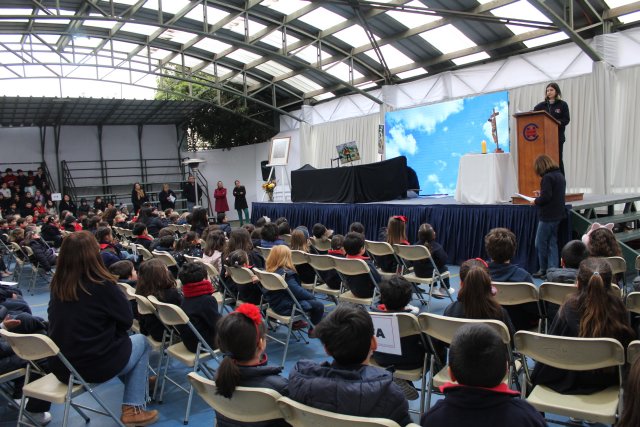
(273,68)
(341,71)
(447,39)
(240,79)
(412,73)
(310,54)
(274,39)
(189,61)
(124,46)
(302,83)
(243,56)
(323,96)
(471,58)
(10,38)
(393,57)
(286,7)
(147,30)
(412,19)
(354,35)
(87,41)
(629,17)
(221,71)
(520,10)
(618,3)
(98,23)
(213,15)
(159,53)
(541,41)
(177,36)
(173,6)
(322,18)
(237,26)
(211,45)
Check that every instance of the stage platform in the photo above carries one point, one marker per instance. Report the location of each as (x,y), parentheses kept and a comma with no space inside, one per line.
(459,228)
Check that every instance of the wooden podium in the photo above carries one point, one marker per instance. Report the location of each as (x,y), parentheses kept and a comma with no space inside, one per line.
(537,134)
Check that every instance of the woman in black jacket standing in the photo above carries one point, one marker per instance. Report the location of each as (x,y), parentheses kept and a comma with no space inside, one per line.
(66,204)
(167,198)
(559,109)
(138,197)
(240,204)
(551,210)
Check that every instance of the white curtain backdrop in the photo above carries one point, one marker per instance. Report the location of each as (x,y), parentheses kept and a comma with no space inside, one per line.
(319,141)
(625,128)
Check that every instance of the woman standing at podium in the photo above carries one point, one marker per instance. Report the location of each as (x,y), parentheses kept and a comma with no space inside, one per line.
(559,109)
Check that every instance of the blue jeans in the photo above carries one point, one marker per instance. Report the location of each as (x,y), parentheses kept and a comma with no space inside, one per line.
(190,206)
(246,215)
(134,374)
(547,245)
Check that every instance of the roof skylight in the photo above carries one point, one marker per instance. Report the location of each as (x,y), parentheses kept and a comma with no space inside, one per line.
(447,39)
(541,41)
(412,19)
(322,18)
(286,7)
(471,58)
(393,57)
(354,35)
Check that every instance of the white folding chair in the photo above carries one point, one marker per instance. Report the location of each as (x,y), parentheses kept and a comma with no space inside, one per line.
(320,245)
(381,249)
(444,328)
(247,405)
(619,266)
(300,258)
(33,347)
(173,316)
(323,263)
(347,267)
(274,282)
(553,293)
(411,253)
(572,354)
(146,255)
(517,293)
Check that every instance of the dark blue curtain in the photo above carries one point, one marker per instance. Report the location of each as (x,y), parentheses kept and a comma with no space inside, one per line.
(459,228)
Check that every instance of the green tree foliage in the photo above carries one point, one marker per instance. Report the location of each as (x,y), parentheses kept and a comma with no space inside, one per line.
(212,126)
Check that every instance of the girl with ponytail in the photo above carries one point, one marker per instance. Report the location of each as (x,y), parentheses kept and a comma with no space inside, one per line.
(596,310)
(242,341)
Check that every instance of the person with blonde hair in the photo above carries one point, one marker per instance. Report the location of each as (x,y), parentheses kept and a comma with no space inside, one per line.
(279,261)
(89,320)
(550,202)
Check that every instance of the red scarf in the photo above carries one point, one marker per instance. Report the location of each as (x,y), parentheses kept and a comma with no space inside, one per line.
(501,388)
(196,289)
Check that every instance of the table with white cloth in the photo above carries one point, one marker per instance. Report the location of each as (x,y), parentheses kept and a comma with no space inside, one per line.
(486,179)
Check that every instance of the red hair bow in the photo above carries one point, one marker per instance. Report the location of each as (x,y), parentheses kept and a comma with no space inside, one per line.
(251,311)
(401,218)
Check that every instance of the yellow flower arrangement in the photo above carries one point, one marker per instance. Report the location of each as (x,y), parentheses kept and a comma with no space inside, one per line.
(268,187)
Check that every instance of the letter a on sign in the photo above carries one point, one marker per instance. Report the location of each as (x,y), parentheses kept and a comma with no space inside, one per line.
(387,333)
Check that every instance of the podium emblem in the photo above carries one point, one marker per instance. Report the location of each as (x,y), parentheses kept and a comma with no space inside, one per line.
(530,132)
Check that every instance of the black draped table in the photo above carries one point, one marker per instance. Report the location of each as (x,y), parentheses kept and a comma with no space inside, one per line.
(374,182)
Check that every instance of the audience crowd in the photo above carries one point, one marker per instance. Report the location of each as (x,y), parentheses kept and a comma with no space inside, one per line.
(84,250)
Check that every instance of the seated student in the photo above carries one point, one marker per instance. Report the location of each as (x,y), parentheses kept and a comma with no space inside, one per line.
(214,246)
(22,323)
(476,299)
(43,255)
(199,304)
(125,271)
(300,242)
(162,233)
(51,232)
(141,236)
(356,227)
(84,207)
(595,311)
(395,295)
(630,416)
(167,244)
(478,362)
(331,277)
(223,223)
(110,252)
(242,340)
(189,245)
(360,285)
(424,268)
(573,253)
(322,233)
(348,385)
(279,261)
(155,279)
(500,244)
(395,234)
(248,292)
(269,236)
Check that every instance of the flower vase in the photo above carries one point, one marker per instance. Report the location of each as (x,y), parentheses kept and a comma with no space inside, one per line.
(270,194)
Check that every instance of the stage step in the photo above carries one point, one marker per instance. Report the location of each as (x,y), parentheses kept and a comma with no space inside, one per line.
(617,219)
(628,236)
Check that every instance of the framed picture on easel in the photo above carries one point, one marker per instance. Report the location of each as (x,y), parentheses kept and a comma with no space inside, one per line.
(279,152)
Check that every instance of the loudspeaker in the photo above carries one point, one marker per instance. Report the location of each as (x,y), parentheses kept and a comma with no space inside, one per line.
(266,171)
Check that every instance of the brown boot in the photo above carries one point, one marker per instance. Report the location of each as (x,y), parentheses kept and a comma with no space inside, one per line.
(133,416)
